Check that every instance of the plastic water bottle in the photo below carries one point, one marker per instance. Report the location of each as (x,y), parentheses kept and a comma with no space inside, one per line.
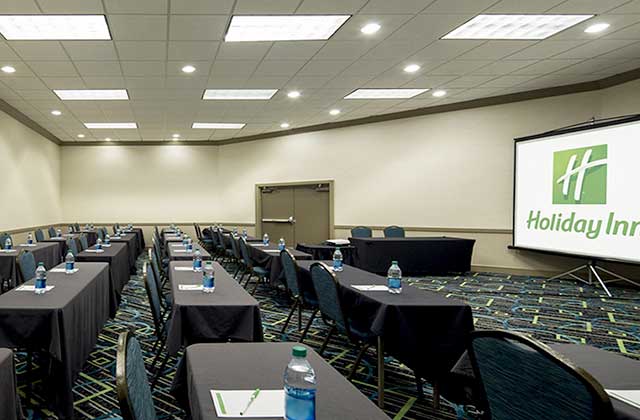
(235,231)
(69,263)
(107,239)
(59,233)
(337,260)
(70,230)
(197,261)
(299,387)
(41,279)
(265,239)
(29,239)
(8,244)
(99,244)
(281,244)
(189,245)
(244,233)
(394,278)
(208,278)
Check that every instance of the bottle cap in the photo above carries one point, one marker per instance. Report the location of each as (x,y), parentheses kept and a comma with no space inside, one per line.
(394,262)
(40,264)
(299,351)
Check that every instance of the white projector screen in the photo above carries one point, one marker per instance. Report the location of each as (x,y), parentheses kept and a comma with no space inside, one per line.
(577,192)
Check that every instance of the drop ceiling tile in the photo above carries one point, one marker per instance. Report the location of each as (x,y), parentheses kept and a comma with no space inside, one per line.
(192,50)
(98,68)
(350,31)
(369,67)
(324,67)
(430,82)
(446,49)
(460,67)
(112,82)
(53,68)
(350,82)
(22,70)
(7,53)
(260,7)
(227,81)
(279,67)
(197,28)
(174,68)
(586,6)
(148,7)
(495,50)
(19,7)
(235,68)
(24,83)
(90,50)
(292,50)
(546,66)
(64,82)
(394,50)
(266,82)
(142,50)
(395,6)
(39,50)
(630,32)
(344,50)
(314,7)
(616,21)
(41,93)
(138,27)
(299,82)
(143,68)
(469,81)
(630,52)
(504,66)
(174,82)
(71,6)
(545,49)
(429,28)
(621,68)
(458,6)
(243,50)
(594,48)
(523,6)
(507,81)
(630,7)
(592,66)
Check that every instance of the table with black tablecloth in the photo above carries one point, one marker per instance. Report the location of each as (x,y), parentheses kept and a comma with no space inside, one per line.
(229,313)
(131,241)
(64,322)
(227,239)
(62,242)
(425,331)
(247,366)
(116,256)
(141,243)
(168,238)
(177,252)
(91,234)
(47,253)
(269,257)
(325,251)
(9,400)
(415,256)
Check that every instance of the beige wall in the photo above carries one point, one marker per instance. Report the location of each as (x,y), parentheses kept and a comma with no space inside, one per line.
(444,171)
(30,186)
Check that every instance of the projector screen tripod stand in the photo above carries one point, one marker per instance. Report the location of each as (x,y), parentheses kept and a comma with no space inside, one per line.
(592,271)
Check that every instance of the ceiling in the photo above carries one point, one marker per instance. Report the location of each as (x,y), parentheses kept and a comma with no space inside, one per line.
(154,39)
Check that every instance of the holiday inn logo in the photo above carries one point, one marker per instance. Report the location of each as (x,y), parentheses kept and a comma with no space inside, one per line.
(580,175)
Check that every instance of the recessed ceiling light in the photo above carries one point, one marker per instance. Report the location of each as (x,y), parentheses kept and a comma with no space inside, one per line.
(283,28)
(54,27)
(218,126)
(285,125)
(385,93)
(175,136)
(8,69)
(238,94)
(56,112)
(99,126)
(597,27)
(92,94)
(107,139)
(334,112)
(370,28)
(188,69)
(515,26)
(412,68)
(439,93)
(80,136)
(293,94)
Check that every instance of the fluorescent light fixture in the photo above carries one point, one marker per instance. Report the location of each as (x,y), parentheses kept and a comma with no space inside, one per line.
(370,28)
(334,112)
(94,126)
(188,69)
(439,93)
(8,69)
(385,93)
(80,136)
(56,112)
(293,94)
(285,125)
(54,27)
(238,94)
(218,126)
(283,28)
(597,27)
(412,68)
(92,94)
(515,26)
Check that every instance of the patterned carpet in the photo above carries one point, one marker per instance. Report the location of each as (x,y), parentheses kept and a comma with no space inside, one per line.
(550,311)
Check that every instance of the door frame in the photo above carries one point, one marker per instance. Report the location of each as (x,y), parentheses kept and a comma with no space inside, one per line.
(258,201)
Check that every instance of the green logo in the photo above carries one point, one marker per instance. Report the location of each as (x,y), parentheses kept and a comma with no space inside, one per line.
(580,175)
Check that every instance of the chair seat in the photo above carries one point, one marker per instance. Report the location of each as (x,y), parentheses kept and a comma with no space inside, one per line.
(361,334)
(260,271)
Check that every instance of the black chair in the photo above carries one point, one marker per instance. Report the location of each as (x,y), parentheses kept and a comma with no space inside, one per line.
(39,234)
(217,247)
(132,383)
(3,239)
(228,255)
(250,268)
(160,279)
(52,232)
(522,379)
(361,232)
(159,322)
(72,246)
(393,232)
(100,234)
(76,227)
(27,265)
(84,242)
(301,299)
(326,287)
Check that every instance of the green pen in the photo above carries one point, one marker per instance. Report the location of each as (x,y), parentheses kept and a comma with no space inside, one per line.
(251,400)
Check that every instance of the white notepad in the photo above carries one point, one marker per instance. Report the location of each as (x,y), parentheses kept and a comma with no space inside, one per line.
(28,245)
(258,244)
(189,287)
(8,251)
(106,245)
(338,241)
(274,251)
(177,245)
(97,251)
(370,288)
(62,270)
(269,403)
(31,288)
(184,268)
(629,396)
(181,250)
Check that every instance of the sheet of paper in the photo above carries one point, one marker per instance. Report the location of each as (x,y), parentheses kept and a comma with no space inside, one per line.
(106,245)
(184,268)
(189,287)
(272,251)
(339,241)
(31,288)
(629,396)
(177,245)
(370,288)
(28,245)
(269,403)
(8,251)
(97,251)
(180,250)
(258,244)
(62,270)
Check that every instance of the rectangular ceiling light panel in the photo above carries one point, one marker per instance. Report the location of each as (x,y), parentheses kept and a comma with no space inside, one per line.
(283,28)
(54,27)
(218,126)
(515,26)
(385,93)
(99,126)
(92,94)
(238,94)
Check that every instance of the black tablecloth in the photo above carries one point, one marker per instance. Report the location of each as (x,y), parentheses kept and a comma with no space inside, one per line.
(64,322)
(269,258)
(169,238)
(131,240)
(325,252)
(9,400)
(416,256)
(140,235)
(176,252)
(230,313)
(227,239)
(247,366)
(62,241)
(424,330)
(47,253)
(92,236)
(117,257)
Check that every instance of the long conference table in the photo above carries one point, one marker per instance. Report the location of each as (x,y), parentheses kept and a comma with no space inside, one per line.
(64,322)
(133,248)
(268,256)
(47,253)
(9,399)
(247,366)
(178,252)
(423,330)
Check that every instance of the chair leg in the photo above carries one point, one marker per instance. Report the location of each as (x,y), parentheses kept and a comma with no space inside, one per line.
(29,393)
(436,396)
(159,372)
(306,329)
(158,353)
(356,363)
(253,292)
(326,340)
(419,385)
(299,318)
(293,309)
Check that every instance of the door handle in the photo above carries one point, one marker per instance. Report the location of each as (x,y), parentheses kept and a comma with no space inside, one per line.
(291,220)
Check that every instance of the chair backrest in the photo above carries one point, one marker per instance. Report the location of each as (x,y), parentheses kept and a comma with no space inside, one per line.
(153,294)
(155,266)
(198,231)
(84,243)
(522,379)
(393,232)
(325,284)
(361,232)
(132,383)
(100,234)
(235,248)
(52,232)
(76,227)
(72,246)
(3,239)
(39,234)
(27,265)
(290,267)
(212,234)
(221,239)
(244,248)
(156,250)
